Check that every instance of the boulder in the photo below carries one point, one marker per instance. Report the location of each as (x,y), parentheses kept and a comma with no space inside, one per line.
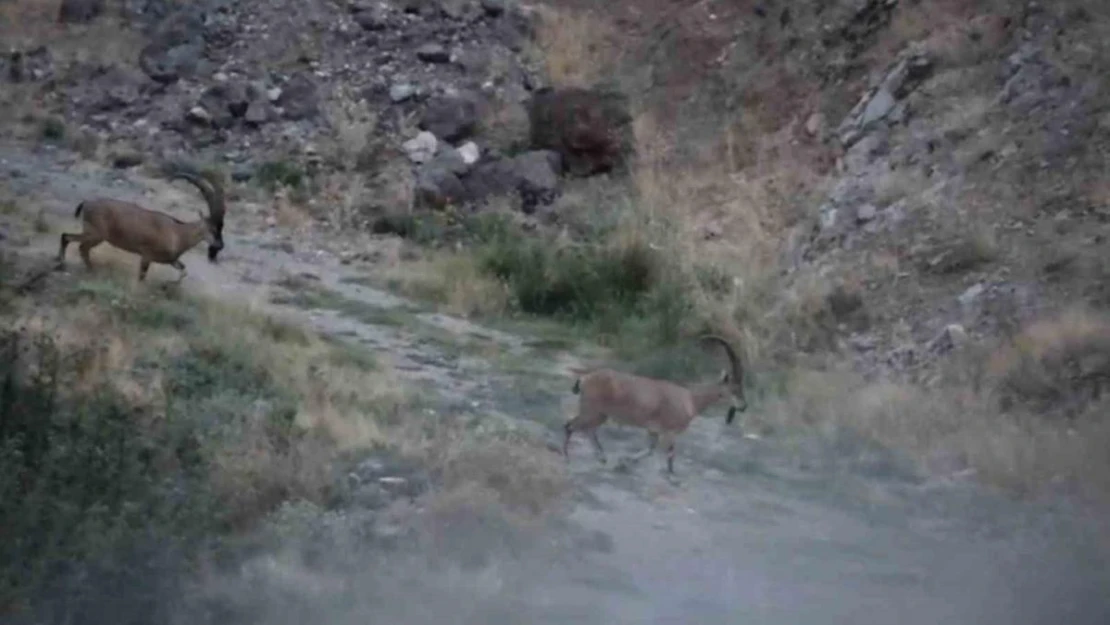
(421,148)
(450,117)
(590,129)
(79,11)
(300,97)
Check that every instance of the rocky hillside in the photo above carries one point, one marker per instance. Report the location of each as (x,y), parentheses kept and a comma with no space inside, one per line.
(916,189)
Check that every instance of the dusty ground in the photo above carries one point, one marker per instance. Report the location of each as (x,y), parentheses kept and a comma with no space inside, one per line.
(753,530)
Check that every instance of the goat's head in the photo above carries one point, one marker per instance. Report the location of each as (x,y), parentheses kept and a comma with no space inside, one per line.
(217,206)
(732,379)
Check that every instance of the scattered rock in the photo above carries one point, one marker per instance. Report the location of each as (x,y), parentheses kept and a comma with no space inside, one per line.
(865,213)
(470,152)
(433,53)
(127,160)
(299,97)
(450,118)
(373,18)
(401,92)
(437,187)
(450,159)
(815,123)
(590,129)
(79,11)
(493,8)
(176,47)
(199,115)
(421,148)
(953,336)
(968,297)
(881,101)
(537,177)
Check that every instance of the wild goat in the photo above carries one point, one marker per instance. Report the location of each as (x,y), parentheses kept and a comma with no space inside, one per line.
(663,408)
(156,237)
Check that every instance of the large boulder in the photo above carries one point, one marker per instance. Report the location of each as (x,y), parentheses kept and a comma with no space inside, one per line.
(591,129)
(450,118)
(534,176)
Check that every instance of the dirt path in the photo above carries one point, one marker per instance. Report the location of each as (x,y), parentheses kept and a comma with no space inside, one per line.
(743,536)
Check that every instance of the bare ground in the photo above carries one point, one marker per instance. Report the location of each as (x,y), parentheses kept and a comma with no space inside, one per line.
(753,530)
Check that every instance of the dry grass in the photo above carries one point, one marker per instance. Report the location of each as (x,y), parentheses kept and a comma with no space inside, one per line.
(453,281)
(950,431)
(578,48)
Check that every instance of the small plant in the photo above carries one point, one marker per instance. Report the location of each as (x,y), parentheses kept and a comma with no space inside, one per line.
(274,174)
(53,130)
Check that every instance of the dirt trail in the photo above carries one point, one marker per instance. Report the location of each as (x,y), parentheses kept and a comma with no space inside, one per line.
(743,534)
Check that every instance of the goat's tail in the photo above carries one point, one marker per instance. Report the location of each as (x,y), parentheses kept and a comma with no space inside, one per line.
(80,207)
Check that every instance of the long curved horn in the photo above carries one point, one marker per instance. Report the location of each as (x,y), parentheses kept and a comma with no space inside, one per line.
(213,193)
(737,368)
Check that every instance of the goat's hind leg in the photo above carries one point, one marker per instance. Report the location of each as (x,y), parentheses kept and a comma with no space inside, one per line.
(584,422)
(653,442)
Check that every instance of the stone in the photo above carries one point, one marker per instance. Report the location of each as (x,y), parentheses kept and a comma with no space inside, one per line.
(450,118)
(433,53)
(493,8)
(299,97)
(400,92)
(79,11)
(815,123)
(470,152)
(198,115)
(865,213)
(421,148)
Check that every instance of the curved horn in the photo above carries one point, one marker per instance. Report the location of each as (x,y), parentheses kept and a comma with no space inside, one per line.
(737,368)
(213,193)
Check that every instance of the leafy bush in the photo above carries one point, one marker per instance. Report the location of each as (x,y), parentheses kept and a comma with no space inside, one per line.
(613,287)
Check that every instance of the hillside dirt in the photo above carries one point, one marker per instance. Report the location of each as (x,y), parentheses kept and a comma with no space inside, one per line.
(752,529)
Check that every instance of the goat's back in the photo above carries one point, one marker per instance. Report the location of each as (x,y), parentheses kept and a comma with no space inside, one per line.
(131,227)
(636,400)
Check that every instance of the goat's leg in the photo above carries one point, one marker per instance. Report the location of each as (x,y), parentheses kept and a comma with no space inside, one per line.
(86,246)
(597,444)
(653,442)
(180,266)
(144,266)
(63,243)
(584,421)
(668,444)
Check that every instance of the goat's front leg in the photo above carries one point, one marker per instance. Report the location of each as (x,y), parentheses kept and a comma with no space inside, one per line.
(180,266)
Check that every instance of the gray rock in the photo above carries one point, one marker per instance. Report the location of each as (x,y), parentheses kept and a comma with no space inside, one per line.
(421,148)
(878,107)
(493,8)
(537,172)
(865,213)
(470,152)
(968,297)
(450,159)
(225,102)
(127,159)
(372,18)
(437,187)
(79,11)
(401,92)
(299,97)
(450,117)
(258,112)
(199,115)
(432,53)
(176,46)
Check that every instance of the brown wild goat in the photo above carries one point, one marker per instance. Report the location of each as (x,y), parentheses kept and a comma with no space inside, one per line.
(156,237)
(663,408)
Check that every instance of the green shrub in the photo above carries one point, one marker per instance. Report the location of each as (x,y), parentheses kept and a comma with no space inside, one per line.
(616,289)
(274,174)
